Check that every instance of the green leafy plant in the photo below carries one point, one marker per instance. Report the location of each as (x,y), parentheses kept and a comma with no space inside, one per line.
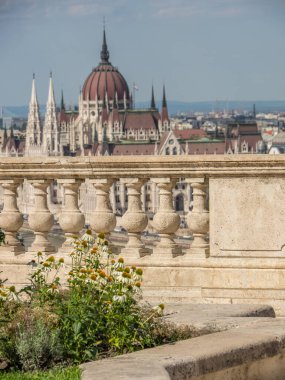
(38,347)
(78,313)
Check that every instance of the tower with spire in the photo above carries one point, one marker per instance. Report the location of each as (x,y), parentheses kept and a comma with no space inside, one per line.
(50,130)
(104,52)
(165,121)
(33,131)
(152,103)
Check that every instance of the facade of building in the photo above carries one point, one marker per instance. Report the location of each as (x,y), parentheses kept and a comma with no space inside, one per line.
(105,116)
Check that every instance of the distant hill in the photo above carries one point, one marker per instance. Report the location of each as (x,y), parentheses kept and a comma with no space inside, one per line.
(176,107)
(19,111)
(267,106)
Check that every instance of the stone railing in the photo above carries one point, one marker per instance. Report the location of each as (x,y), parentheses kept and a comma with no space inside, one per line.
(102,174)
(243,257)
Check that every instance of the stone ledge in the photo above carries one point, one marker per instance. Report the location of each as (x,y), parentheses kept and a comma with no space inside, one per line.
(210,318)
(195,166)
(253,351)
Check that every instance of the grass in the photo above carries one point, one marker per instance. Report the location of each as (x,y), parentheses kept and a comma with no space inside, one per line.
(70,373)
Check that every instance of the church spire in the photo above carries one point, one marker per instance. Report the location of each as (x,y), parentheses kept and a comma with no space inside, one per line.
(104,51)
(50,130)
(62,105)
(164,104)
(152,104)
(33,131)
(164,112)
(51,99)
(34,100)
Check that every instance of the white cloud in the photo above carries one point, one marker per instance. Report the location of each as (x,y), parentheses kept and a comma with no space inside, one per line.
(176,12)
(87,8)
(191,8)
(101,7)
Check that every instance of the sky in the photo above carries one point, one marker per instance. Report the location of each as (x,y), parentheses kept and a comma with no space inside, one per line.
(202,50)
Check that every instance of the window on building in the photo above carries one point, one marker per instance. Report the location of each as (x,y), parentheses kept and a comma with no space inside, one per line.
(179,202)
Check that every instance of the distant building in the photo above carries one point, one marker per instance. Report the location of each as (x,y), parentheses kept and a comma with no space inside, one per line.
(105,116)
(278,144)
(106,123)
(243,138)
(11,145)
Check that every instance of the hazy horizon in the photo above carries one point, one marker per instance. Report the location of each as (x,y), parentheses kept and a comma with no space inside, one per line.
(175,107)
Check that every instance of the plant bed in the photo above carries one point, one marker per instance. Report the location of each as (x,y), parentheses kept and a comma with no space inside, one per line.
(72,314)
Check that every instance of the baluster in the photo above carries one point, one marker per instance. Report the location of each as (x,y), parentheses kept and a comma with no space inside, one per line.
(166,221)
(143,198)
(113,197)
(154,197)
(123,197)
(71,218)
(198,219)
(40,219)
(11,220)
(134,219)
(103,219)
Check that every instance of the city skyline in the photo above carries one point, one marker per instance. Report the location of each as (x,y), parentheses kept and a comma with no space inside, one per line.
(202,50)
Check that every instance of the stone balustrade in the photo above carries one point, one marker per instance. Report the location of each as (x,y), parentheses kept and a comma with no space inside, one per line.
(237,220)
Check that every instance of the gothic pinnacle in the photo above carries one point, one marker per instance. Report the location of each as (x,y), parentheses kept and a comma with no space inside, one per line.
(104,51)
(152,104)
(164,104)
(62,105)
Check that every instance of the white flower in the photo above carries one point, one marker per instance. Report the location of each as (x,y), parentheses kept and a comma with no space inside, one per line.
(119,265)
(120,298)
(88,237)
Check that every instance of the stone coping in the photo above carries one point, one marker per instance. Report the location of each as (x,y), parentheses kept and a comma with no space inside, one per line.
(195,166)
(255,340)
(143,159)
(209,318)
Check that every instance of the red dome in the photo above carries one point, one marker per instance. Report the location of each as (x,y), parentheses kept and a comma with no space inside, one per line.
(105,78)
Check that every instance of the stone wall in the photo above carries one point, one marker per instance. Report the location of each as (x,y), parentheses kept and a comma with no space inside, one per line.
(237,252)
